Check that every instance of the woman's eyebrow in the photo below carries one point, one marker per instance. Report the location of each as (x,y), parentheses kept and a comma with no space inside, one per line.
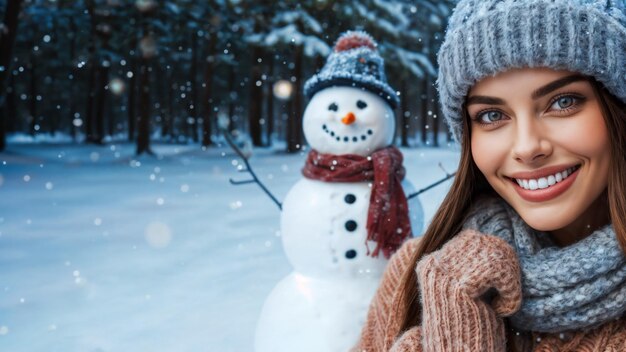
(480,99)
(538,93)
(556,85)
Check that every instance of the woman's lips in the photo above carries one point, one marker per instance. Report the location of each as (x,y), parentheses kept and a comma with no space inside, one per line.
(545,194)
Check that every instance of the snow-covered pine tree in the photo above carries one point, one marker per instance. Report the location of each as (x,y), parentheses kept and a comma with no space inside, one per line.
(301,34)
(409,34)
(7,40)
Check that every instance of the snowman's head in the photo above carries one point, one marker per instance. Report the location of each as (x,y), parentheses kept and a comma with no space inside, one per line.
(348,120)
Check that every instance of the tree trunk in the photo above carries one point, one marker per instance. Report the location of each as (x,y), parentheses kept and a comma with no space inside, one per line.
(110,115)
(208,90)
(53,118)
(7,39)
(436,118)
(164,100)
(32,106)
(319,63)
(143,136)
(269,115)
(11,105)
(255,100)
(54,97)
(432,103)
(193,104)
(132,85)
(91,88)
(89,130)
(104,64)
(73,33)
(145,61)
(171,102)
(103,76)
(132,94)
(231,98)
(425,107)
(405,114)
(294,122)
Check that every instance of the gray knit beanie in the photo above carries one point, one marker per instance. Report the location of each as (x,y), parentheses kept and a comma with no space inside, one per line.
(485,37)
(354,62)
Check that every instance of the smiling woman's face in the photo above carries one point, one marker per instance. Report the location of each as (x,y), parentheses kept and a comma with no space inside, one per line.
(348,120)
(539,137)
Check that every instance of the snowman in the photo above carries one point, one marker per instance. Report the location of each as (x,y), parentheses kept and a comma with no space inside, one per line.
(342,221)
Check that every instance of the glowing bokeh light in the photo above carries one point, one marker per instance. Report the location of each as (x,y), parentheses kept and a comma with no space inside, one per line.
(117,86)
(283,89)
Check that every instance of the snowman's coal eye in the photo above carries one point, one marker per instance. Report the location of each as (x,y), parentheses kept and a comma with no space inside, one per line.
(361,104)
(333,107)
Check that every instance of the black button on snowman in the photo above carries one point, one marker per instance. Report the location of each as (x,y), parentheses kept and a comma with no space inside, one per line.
(350,198)
(351,225)
(335,221)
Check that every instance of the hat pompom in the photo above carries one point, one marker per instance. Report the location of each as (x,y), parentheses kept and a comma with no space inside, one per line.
(354,39)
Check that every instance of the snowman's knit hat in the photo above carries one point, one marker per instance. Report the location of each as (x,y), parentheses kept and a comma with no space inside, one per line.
(354,62)
(485,37)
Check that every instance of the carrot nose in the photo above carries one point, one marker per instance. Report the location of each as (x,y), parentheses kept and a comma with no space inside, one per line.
(349,118)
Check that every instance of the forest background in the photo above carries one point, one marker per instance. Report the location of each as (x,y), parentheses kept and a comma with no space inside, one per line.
(103,71)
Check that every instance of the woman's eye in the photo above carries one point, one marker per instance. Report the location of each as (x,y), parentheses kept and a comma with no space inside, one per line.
(564,102)
(361,104)
(488,117)
(333,107)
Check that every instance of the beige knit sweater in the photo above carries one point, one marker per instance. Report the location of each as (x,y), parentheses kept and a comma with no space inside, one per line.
(452,281)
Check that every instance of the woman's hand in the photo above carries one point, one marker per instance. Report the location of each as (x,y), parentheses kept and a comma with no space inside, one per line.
(482,266)
(466,287)
(409,341)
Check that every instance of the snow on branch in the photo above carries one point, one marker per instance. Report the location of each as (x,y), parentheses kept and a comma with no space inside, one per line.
(291,17)
(414,61)
(444,10)
(380,23)
(429,6)
(289,34)
(394,9)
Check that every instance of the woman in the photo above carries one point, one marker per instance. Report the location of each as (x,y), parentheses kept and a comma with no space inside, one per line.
(527,251)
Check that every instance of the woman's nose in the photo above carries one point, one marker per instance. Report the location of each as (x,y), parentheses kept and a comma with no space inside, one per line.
(529,143)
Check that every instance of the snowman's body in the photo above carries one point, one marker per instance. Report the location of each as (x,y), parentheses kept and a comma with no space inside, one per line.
(322,304)
(323,226)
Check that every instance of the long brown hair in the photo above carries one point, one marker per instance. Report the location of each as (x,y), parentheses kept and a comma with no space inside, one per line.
(469,182)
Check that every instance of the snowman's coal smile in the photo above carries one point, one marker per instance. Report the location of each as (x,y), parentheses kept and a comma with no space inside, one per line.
(346,139)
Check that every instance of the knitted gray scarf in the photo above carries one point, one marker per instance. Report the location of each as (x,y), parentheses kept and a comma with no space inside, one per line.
(579,286)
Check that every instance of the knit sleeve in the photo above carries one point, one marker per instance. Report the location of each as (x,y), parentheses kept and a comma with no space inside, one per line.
(467,287)
(382,324)
(610,337)
(409,341)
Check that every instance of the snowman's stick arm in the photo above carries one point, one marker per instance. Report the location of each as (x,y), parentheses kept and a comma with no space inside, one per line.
(237,183)
(448,176)
(248,169)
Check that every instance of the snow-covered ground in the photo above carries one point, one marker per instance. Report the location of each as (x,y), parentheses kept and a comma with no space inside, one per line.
(102,251)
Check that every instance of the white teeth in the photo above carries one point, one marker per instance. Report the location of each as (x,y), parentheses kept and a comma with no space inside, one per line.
(545,182)
(542,183)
